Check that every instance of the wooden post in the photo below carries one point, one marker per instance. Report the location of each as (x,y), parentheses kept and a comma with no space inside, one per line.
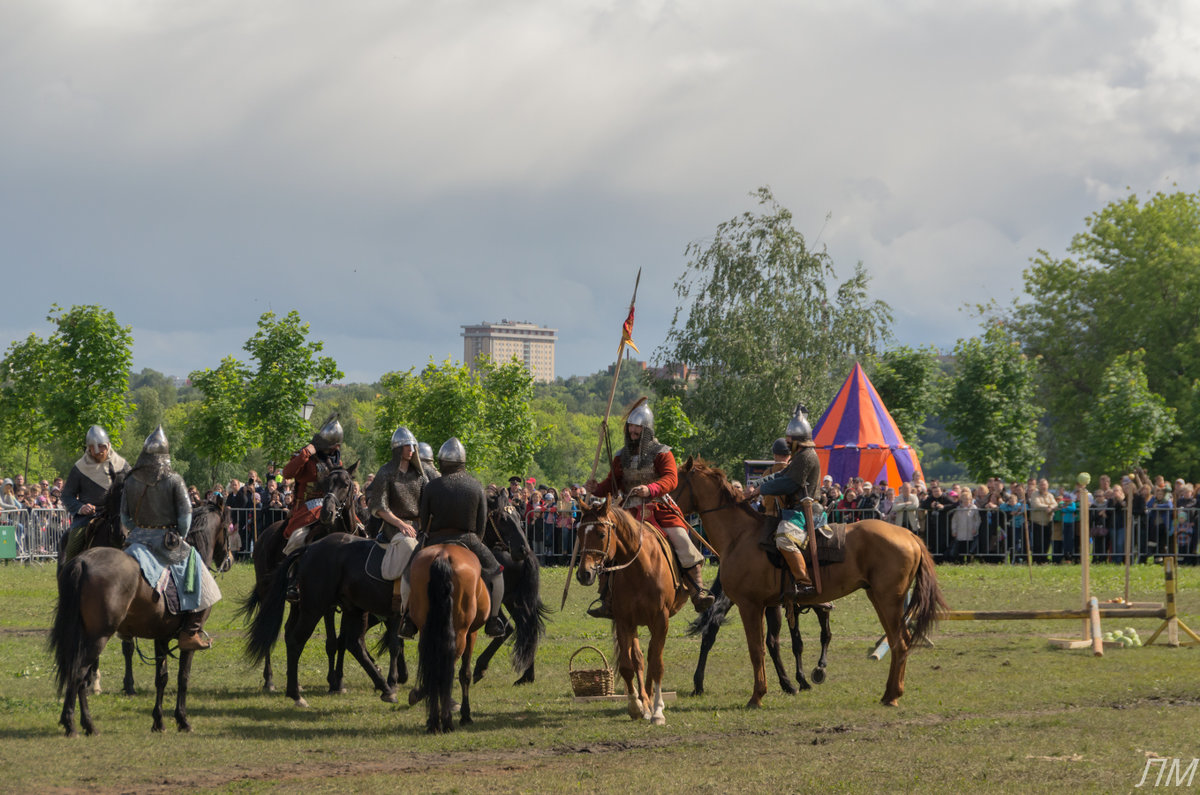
(1085,550)
(1128,537)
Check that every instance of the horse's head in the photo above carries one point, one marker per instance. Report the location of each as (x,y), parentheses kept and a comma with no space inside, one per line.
(209,534)
(105,528)
(596,536)
(505,521)
(339,488)
(701,488)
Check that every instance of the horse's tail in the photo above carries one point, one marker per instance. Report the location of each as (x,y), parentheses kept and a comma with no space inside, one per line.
(264,625)
(927,601)
(249,606)
(66,636)
(714,616)
(529,614)
(436,647)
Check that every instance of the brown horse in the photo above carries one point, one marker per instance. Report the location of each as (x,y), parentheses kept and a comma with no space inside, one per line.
(643,594)
(102,592)
(448,603)
(882,558)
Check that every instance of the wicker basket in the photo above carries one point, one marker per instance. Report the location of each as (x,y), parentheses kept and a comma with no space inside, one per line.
(590,681)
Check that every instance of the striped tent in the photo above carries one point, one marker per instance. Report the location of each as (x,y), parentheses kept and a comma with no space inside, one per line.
(857,437)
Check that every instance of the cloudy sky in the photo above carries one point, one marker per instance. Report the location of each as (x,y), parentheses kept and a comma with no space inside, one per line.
(393,170)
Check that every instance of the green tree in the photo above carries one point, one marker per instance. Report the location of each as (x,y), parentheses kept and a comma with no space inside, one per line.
(91,356)
(757,323)
(1130,280)
(287,372)
(672,426)
(910,384)
(25,384)
(513,436)
(217,428)
(991,407)
(1127,421)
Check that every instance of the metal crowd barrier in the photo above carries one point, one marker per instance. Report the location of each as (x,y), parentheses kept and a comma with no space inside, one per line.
(37,532)
(246,524)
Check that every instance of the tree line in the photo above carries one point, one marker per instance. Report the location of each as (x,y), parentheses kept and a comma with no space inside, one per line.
(1095,366)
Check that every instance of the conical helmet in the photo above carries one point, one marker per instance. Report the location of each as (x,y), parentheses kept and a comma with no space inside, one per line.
(798,427)
(97,437)
(452,452)
(403,436)
(329,436)
(641,415)
(425,451)
(156,443)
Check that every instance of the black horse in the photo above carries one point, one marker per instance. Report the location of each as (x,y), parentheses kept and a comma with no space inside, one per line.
(522,584)
(708,624)
(338,515)
(102,592)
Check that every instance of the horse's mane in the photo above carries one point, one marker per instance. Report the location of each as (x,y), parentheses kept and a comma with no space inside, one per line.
(702,467)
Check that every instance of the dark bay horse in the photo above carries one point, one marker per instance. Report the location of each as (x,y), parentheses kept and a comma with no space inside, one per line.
(336,517)
(709,623)
(449,603)
(102,592)
(881,558)
(522,589)
(642,592)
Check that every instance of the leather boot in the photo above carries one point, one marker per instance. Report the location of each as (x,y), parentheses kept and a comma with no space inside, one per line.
(601,608)
(192,636)
(802,587)
(408,628)
(293,585)
(701,598)
(397,599)
(496,626)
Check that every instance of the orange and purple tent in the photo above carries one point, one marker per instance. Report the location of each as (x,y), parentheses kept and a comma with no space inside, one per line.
(856,436)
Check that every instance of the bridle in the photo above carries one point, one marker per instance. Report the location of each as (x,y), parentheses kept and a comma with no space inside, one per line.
(722,502)
(611,535)
(227,562)
(511,513)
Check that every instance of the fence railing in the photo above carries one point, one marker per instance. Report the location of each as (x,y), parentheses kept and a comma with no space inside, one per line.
(38,531)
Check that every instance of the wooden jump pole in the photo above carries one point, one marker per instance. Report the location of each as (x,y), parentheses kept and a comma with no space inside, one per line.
(1085,546)
(1171,622)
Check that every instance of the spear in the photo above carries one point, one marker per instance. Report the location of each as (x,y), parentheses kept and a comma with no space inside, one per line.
(626,339)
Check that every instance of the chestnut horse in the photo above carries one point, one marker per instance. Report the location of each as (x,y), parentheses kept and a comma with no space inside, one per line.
(881,558)
(642,594)
(448,603)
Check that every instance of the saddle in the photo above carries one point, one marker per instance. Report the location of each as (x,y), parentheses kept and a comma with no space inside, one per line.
(669,551)
(831,546)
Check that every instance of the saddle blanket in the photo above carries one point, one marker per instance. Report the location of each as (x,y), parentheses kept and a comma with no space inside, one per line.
(194,585)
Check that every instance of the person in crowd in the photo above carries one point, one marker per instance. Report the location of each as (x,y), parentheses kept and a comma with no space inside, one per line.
(964,526)
(1098,525)
(87,483)
(13,510)
(937,507)
(568,510)
(886,501)
(1117,503)
(984,498)
(868,503)
(1041,514)
(1185,519)
(906,509)
(1160,517)
(1067,515)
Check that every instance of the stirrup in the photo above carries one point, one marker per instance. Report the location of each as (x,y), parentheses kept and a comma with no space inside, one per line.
(496,626)
(197,640)
(408,629)
(600,609)
(798,591)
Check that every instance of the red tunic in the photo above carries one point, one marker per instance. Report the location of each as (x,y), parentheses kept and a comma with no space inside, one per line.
(303,469)
(658,512)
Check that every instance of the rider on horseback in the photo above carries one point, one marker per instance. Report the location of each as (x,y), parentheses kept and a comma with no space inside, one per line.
(453,510)
(794,485)
(394,501)
(156,511)
(89,480)
(645,472)
(308,467)
(425,451)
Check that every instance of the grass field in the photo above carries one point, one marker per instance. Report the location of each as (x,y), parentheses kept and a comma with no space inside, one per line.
(990,707)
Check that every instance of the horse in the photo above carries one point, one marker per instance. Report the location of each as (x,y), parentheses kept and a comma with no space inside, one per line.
(522,583)
(643,594)
(104,530)
(709,623)
(102,592)
(881,558)
(449,603)
(268,556)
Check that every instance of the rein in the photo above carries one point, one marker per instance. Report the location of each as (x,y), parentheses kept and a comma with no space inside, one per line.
(604,569)
(721,503)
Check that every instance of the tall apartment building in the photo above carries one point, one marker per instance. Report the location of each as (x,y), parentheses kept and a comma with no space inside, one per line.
(531,344)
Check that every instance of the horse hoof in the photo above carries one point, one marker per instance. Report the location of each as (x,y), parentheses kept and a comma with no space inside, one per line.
(72,733)
(185,728)
(818,675)
(129,691)
(268,688)
(889,702)
(659,721)
(158,727)
(337,691)
(388,698)
(753,703)
(475,677)
(300,702)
